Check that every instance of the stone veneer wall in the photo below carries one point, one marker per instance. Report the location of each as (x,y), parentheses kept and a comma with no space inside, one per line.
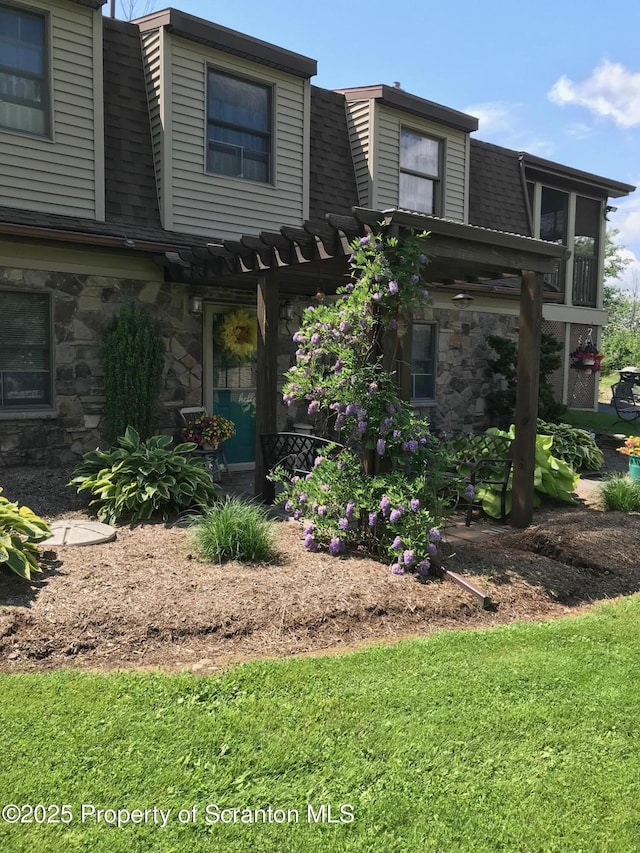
(462,380)
(82,306)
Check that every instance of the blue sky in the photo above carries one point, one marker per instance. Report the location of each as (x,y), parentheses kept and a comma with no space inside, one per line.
(558,79)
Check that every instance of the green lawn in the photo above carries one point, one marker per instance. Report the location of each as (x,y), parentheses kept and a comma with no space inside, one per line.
(521,738)
(605,381)
(601,421)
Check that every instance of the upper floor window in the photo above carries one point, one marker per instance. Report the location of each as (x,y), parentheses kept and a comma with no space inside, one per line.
(24,85)
(420,168)
(423,361)
(25,351)
(239,118)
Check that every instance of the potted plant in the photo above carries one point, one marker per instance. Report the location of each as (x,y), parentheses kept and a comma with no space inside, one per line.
(207,431)
(632,450)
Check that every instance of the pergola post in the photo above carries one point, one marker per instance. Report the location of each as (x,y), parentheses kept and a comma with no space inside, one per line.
(268,300)
(524,445)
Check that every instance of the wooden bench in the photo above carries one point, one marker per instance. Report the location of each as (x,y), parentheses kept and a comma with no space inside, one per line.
(625,398)
(482,460)
(292,451)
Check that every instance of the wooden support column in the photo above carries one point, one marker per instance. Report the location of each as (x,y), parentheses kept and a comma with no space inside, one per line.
(524,445)
(268,310)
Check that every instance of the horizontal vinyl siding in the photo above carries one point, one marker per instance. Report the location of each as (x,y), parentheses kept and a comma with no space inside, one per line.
(388,160)
(214,205)
(359,124)
(58,175)
(152,73)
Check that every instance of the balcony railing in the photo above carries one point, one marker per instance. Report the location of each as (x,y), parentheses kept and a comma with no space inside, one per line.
(585,281)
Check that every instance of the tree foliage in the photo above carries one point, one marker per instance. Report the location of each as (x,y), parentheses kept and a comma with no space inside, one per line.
(621,337)
(133,355)
(136,8)
(614,261)
(501,404)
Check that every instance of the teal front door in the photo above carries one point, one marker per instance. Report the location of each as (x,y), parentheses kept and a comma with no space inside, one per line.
(234,396)
(239,407)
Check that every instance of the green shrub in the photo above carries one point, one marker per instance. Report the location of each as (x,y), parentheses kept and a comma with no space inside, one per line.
(20,529)
(576,447)
(501,405)
(552,477)
(133,355)
(139,479)
(620,494)
(235,530)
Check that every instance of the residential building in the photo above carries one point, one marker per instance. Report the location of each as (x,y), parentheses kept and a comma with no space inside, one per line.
(198,170)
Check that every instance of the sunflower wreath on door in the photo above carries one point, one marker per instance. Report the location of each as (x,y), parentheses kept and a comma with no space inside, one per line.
(238,336)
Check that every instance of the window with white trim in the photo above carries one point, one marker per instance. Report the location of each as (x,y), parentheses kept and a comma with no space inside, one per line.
(25,351)
(423,361)
(420,172)
(24,78)
(239,127)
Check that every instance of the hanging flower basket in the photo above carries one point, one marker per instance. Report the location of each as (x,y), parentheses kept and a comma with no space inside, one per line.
(586,357)
(239,334)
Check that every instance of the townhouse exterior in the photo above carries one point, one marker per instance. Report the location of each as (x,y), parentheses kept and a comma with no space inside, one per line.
(198,170)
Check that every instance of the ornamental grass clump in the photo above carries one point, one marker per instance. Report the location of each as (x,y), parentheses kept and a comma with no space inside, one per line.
(618,493)
(20,531)
(140,479)
(235,530)
(380,494)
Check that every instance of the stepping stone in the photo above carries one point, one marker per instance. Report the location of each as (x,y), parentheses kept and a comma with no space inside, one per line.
(76,531)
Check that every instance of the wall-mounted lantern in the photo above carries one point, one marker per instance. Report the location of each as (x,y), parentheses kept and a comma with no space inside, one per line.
(195,305)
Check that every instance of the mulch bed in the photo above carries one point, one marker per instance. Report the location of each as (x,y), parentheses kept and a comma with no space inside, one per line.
(145,600)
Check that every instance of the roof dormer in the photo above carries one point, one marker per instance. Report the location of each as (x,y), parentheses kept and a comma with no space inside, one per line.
(408,152)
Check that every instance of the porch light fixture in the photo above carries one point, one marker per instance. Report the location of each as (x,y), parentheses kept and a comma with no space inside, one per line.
(462,300)
(286,311)
(195,305)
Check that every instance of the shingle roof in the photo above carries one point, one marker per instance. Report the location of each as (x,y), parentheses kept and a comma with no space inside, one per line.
(77,225)
(333,186)
(496,194)
(130,182)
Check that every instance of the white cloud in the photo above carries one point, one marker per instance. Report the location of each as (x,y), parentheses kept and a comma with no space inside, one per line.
(630,279)
(494,116)
(500,123)
(626,220)
(577,130)
(611,91)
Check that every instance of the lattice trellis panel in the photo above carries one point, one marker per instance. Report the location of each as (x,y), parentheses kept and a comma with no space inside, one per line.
(582,385)
(556,379)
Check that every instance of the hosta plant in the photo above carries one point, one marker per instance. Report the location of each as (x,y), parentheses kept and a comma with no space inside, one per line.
(140,479)
(552,477)
(20,529)
(575,446)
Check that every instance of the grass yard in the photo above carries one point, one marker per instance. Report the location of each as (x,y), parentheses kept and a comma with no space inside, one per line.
(519,738)
(601,421)
(605,381)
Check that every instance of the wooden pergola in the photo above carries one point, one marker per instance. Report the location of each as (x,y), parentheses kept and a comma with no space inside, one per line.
(294,261)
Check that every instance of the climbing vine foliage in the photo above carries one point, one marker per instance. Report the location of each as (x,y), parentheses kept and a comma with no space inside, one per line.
(133,355)
(379,494)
